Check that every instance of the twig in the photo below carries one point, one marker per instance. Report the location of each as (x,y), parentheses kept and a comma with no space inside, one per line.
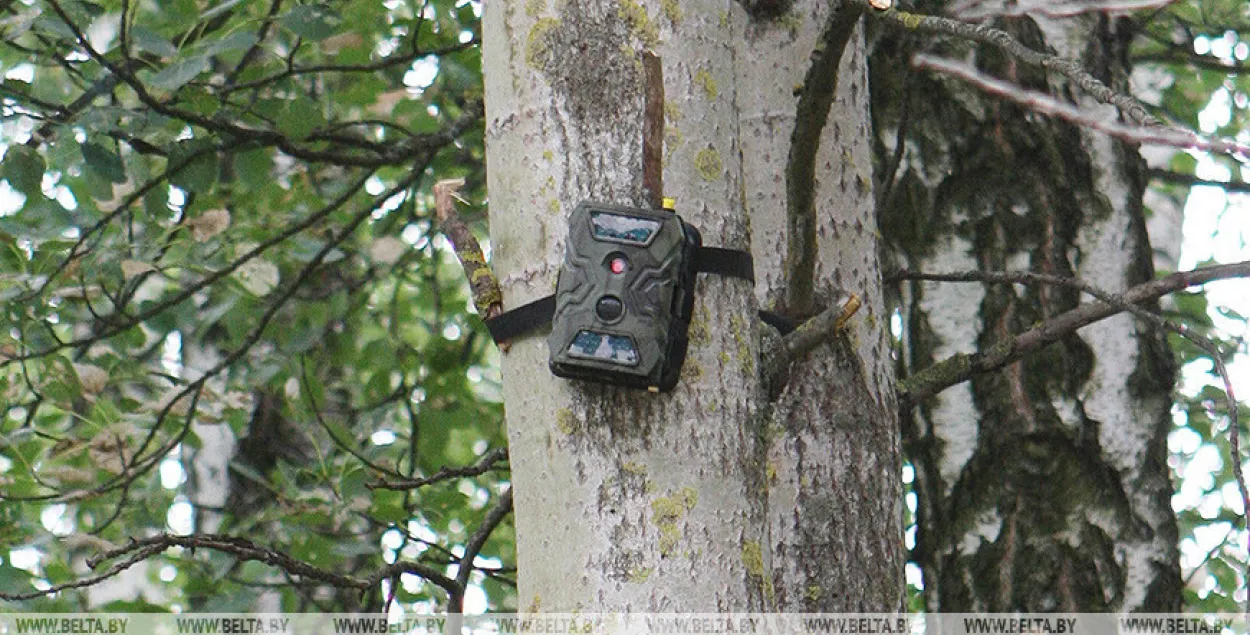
(1053,9)
(400,153)
(245,550)
(255,49)
(122,207)
(961,367)
(195,388)
(485,464)
(139,556)
(334,438)
(476,542)
(1210,554)
(1131,108)
(806,337)
(487,297)
(1047,105)
(811,113)
(1191,180)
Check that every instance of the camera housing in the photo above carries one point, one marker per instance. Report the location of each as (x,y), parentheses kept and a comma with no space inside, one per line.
(624,297)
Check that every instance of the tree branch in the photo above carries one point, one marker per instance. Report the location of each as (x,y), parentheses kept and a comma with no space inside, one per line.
(1047,105)
(208,280)
(811,113)
(342,444)
(1123,303)
(487,297)
(1180,178)
(984,34)
(484,464)
(958,368)
(471,549)
(194,389)
(803,339)
(1053,9)
(245,550)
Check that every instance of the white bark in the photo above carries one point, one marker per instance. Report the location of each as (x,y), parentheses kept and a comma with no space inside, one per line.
(1101,435)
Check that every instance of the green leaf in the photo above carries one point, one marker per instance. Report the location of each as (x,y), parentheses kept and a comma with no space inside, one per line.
(237,601)
(254,167)
(237,41)
(200,173)
(132,606)
(301,118)
(23,167)
(388,506)
(352,484)
(156,202)
(14,579)
(219,9)
(179,72)
(53,25)
(104,162)
(1184,163)
(310,21)
(149,41)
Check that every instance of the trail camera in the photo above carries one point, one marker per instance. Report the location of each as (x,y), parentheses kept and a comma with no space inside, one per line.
(621,311)
(624,297)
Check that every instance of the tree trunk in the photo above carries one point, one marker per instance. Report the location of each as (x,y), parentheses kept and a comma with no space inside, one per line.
(711,497)
(1043,486)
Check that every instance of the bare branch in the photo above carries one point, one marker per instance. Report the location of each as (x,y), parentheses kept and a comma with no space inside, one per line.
(959,368)
(139,555)
(811,113)
(970,9)
(1179,178)
(806,337)
(471,549)
(486,463)
(1129,106)
(245,550)
(1047,105)
(487,297)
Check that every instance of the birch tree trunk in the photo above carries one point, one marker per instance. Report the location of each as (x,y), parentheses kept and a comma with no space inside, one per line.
(1043,486)
(712,497)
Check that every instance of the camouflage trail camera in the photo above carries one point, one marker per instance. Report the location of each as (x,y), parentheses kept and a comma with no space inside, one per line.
(624,298)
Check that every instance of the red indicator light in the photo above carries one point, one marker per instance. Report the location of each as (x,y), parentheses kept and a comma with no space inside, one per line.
(617,265)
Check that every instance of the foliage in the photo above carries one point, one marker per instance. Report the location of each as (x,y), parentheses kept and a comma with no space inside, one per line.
(219,216)
(1201,48)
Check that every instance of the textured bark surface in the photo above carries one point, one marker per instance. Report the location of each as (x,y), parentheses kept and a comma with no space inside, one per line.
(1043,486)
(708,498)
(833,444)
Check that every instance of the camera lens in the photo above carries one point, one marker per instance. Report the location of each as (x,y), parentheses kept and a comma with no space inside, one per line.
(609,308)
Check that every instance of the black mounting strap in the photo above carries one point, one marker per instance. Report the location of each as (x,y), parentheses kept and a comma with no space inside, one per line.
(713,260)
(522,319)
(724,262)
